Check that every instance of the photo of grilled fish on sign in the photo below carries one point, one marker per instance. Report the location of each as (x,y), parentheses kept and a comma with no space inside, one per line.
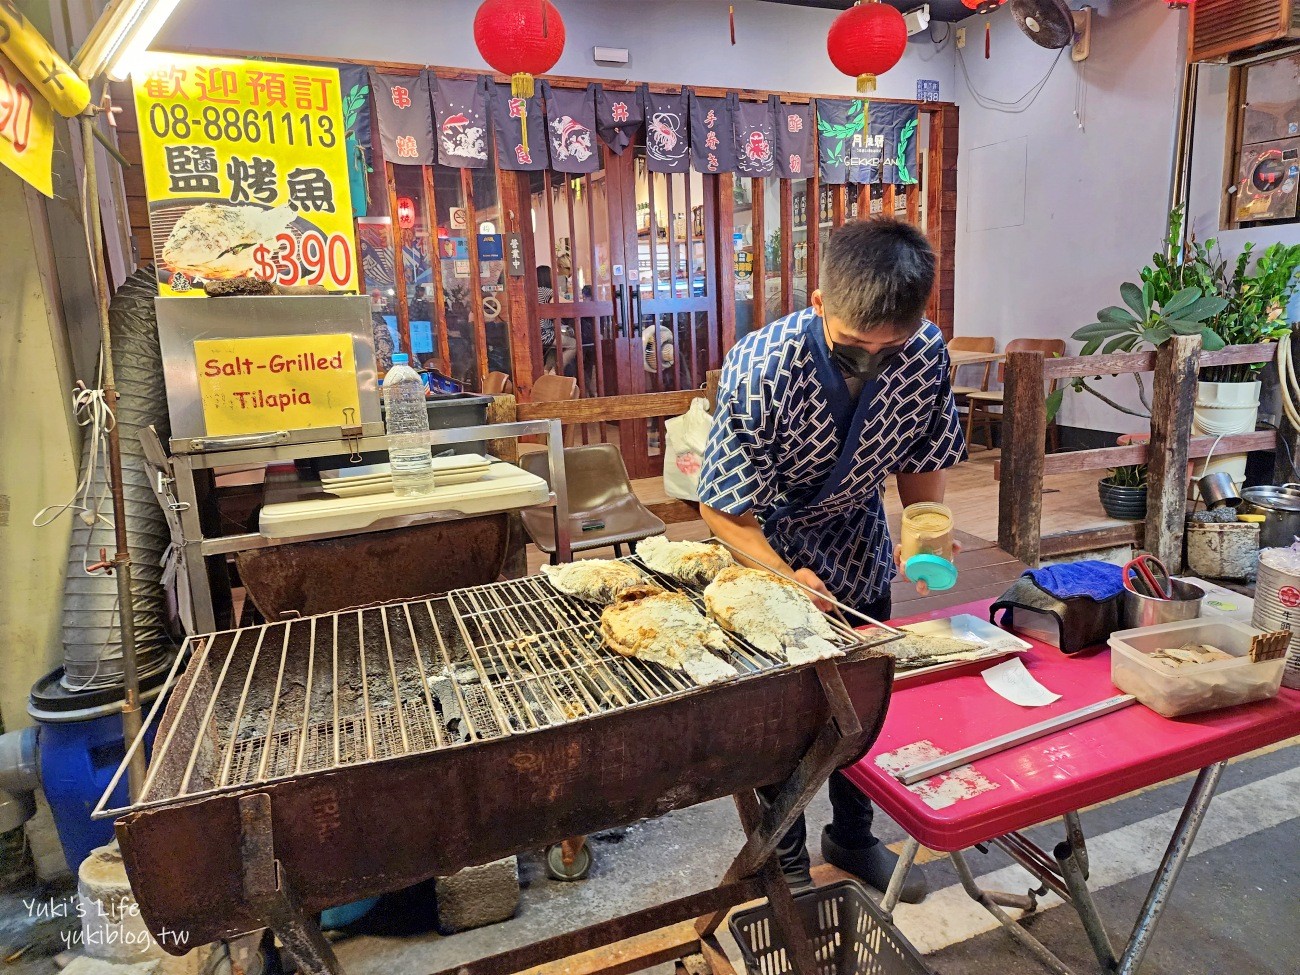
(665,628)
(774,615)
(216,241)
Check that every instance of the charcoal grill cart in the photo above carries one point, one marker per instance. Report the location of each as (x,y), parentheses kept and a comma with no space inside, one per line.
(305,763)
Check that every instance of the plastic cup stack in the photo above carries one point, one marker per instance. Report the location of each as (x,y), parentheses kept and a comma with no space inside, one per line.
(1277,603)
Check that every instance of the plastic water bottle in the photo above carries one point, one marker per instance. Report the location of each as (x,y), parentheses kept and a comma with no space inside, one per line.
(408,429)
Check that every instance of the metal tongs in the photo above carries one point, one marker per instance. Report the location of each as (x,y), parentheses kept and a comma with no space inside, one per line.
(1147,576)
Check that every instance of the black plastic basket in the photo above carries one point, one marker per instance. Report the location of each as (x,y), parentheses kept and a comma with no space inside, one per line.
(848,934)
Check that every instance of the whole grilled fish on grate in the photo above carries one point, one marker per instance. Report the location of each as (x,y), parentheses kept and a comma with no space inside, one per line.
(694,563)
(594,580)
(774,615)
(665,628)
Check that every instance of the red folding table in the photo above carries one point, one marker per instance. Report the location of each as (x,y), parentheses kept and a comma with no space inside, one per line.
(1054,777)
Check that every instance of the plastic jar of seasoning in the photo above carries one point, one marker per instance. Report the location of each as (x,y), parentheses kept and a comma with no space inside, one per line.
(926,545)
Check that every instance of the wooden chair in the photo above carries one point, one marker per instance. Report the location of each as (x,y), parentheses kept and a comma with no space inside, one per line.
(603,509)
(497,383)
(982,403)
(550,388)
(972,343)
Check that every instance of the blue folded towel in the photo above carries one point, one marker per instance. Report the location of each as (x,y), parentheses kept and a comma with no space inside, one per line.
(1098,580)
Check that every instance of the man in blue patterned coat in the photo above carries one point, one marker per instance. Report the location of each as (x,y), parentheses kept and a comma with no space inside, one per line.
(814,412)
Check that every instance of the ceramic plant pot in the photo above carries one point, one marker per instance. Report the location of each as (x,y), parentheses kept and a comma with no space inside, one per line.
(1124,503)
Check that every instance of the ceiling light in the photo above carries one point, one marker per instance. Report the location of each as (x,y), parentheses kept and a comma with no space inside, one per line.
(121,36)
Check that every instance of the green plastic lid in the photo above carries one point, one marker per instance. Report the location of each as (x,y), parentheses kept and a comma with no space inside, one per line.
(936,572)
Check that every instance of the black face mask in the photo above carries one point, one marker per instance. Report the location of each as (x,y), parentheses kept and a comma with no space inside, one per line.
(860,364)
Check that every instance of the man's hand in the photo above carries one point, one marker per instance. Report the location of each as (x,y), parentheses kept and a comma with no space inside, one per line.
(921,587)
(810,579)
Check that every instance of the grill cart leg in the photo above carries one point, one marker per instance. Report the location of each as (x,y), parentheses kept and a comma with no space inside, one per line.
(785,916)
(269,893)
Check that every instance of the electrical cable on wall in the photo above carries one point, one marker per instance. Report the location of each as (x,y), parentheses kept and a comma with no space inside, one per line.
(91,411)
(1012,107)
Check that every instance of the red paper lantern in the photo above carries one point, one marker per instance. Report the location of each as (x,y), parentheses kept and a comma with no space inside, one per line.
(866,40)
(521,38)
(983,6)
(405,212)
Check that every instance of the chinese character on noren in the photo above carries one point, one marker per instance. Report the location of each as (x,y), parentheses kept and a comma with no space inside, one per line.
(711,140)
(268,88)
(401,96)
(218,85)
(252,179)
(311,190)
(796,163)
(518,107)
(794,123)
(165,83)
(192,169)
(713,161)
(407,147)
(523,155)
(311,94)
(619,111)
(711,119)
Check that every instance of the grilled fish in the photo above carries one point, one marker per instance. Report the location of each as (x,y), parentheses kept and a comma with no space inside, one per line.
(922,650)
(594,580)
(665,628)
(693,563)
(774,615)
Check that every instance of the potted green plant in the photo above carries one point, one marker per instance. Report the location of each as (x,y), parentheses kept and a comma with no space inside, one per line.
(1256,289)
(1123,492)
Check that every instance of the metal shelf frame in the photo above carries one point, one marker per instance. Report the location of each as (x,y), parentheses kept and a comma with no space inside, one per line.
(190,483)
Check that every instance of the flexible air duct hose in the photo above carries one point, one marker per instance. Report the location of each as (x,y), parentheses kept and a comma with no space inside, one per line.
(92,646)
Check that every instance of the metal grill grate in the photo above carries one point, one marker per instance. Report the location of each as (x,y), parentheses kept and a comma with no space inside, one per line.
(291,698)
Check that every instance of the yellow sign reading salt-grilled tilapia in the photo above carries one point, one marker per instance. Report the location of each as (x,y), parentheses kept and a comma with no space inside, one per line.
(246,172)
(287,382)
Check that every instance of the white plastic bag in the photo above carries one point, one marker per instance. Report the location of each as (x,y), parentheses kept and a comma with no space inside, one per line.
(687,436)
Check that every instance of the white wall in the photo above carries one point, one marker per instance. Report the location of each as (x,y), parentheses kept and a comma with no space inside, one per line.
(778,47)
(1055,215)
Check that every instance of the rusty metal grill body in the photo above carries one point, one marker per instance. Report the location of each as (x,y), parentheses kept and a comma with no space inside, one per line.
(410,740)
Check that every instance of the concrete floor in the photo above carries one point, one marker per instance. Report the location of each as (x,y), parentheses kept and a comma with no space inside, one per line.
(1233,913)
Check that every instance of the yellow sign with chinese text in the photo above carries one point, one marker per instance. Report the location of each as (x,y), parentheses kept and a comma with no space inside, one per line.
(285,382)
(26,129)
(246,172)
(23,45)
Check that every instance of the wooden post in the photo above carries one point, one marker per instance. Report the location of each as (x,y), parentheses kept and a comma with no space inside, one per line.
(1172,400)
(711,380)
(521,293)
(1024,429)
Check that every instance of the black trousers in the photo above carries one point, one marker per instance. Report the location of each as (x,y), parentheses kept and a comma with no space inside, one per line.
(851,811)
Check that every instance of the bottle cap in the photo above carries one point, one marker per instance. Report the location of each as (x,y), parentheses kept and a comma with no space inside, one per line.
(400,358)
(934,570)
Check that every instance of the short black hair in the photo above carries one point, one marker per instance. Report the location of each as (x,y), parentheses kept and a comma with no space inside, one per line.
(544,276)
(877,273)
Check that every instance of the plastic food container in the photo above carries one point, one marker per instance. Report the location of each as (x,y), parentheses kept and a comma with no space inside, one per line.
(926,545)
(927,530)
(1174,691)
